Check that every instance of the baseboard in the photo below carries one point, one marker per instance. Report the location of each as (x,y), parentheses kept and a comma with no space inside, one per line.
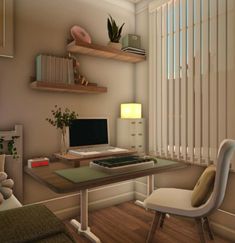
(139,196)
(140,187)
(223,223)
(100,197)
(223,231)
(71,212)
(107,202)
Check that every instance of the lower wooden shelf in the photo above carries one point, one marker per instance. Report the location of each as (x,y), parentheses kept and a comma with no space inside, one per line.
(72,88)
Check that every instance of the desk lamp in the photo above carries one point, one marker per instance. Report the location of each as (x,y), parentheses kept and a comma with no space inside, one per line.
(131,110)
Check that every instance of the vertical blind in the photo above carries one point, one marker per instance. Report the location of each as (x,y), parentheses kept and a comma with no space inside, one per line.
(189,60)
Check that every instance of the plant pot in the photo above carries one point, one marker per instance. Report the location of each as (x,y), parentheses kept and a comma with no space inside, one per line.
(115,45)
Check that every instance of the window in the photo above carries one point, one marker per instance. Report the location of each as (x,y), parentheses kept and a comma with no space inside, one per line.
(190,44)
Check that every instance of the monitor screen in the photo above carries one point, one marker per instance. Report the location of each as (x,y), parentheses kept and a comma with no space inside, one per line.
(88,131)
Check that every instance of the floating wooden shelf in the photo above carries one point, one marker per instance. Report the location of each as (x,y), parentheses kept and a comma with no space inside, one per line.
(103,52)
(62,87)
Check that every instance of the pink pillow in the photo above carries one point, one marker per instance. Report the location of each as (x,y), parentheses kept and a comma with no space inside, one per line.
(79,34)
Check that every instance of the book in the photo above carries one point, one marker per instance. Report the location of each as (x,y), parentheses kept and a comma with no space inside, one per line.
(53,72)
(41,67)
(133,49)
(48,64)
(138,53)
(70,71)
(65,72)
(57,69)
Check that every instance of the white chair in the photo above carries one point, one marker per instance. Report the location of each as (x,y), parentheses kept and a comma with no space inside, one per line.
(178,201)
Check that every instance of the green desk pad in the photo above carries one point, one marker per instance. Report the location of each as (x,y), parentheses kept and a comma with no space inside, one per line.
(81,174)
(85,173)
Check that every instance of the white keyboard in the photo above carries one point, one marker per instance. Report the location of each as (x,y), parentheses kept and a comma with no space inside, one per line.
(95,150)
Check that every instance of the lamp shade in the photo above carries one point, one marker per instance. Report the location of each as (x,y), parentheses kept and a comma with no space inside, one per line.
(131,110)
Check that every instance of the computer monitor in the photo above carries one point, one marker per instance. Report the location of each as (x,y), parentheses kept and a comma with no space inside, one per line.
(88,132)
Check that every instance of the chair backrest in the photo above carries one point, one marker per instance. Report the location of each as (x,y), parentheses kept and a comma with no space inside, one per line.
(222,171)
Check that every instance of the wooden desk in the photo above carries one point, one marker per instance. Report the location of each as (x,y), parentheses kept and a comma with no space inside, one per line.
(78,160)
(47,176)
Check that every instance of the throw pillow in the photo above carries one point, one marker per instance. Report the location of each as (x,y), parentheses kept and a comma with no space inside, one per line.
(203,187)
(6,186)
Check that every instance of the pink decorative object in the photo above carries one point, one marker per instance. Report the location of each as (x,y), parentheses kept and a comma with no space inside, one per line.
(79,34)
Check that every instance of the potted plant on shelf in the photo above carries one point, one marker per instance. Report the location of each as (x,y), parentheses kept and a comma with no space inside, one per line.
(61,120)
(114,32)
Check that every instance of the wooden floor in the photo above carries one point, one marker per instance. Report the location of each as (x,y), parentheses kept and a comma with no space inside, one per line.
(128,223)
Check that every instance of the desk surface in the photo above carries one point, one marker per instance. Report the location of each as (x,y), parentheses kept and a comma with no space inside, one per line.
(47,176)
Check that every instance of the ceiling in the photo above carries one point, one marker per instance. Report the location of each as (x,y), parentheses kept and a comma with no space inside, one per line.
(134,1)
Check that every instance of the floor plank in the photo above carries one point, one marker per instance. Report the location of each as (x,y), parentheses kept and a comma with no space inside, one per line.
(129,223)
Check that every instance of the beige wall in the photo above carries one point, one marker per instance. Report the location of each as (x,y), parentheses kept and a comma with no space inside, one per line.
(42,27)
(185,178)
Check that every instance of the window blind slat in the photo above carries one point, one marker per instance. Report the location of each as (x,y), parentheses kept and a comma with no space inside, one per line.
(205,81)
(152,87)
(231,70)
(159,80)
(190,82)
(198,102)
(177,79)
(222,76)
(171,79)
(184,83)
(164,81)
(213,80)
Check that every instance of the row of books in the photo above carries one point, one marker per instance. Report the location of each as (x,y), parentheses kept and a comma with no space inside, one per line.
(134,50)
(54,69)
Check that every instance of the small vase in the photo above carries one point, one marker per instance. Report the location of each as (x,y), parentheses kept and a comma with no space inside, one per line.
(64,144)
(115,45)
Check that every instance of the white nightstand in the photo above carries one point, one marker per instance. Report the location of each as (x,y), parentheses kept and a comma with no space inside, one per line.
(131,134)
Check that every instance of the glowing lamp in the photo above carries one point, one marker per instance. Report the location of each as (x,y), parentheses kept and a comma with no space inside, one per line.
(131,110)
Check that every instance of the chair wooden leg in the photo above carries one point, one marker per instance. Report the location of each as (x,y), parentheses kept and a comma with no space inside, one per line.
(162,220)
(155,223)
(200,229)
(211,235)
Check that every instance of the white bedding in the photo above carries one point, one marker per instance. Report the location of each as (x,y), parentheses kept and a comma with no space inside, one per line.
(10,203)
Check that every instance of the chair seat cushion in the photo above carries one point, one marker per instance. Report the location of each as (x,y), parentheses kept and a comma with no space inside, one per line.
(203,187)
(170,200)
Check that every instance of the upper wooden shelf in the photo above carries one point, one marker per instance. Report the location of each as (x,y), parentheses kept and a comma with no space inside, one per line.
(103,52)
(63,87)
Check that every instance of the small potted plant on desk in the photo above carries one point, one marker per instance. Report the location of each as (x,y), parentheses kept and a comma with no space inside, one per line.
(61,120)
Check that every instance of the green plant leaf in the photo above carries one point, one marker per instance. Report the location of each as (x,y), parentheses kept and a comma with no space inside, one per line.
(120,31)
(110,30)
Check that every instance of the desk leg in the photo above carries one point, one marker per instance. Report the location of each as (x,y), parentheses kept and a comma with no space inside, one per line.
(82,227)
(150,188)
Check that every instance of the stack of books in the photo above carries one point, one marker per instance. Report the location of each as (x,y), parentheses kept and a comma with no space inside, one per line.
(134,50)
(54,69)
